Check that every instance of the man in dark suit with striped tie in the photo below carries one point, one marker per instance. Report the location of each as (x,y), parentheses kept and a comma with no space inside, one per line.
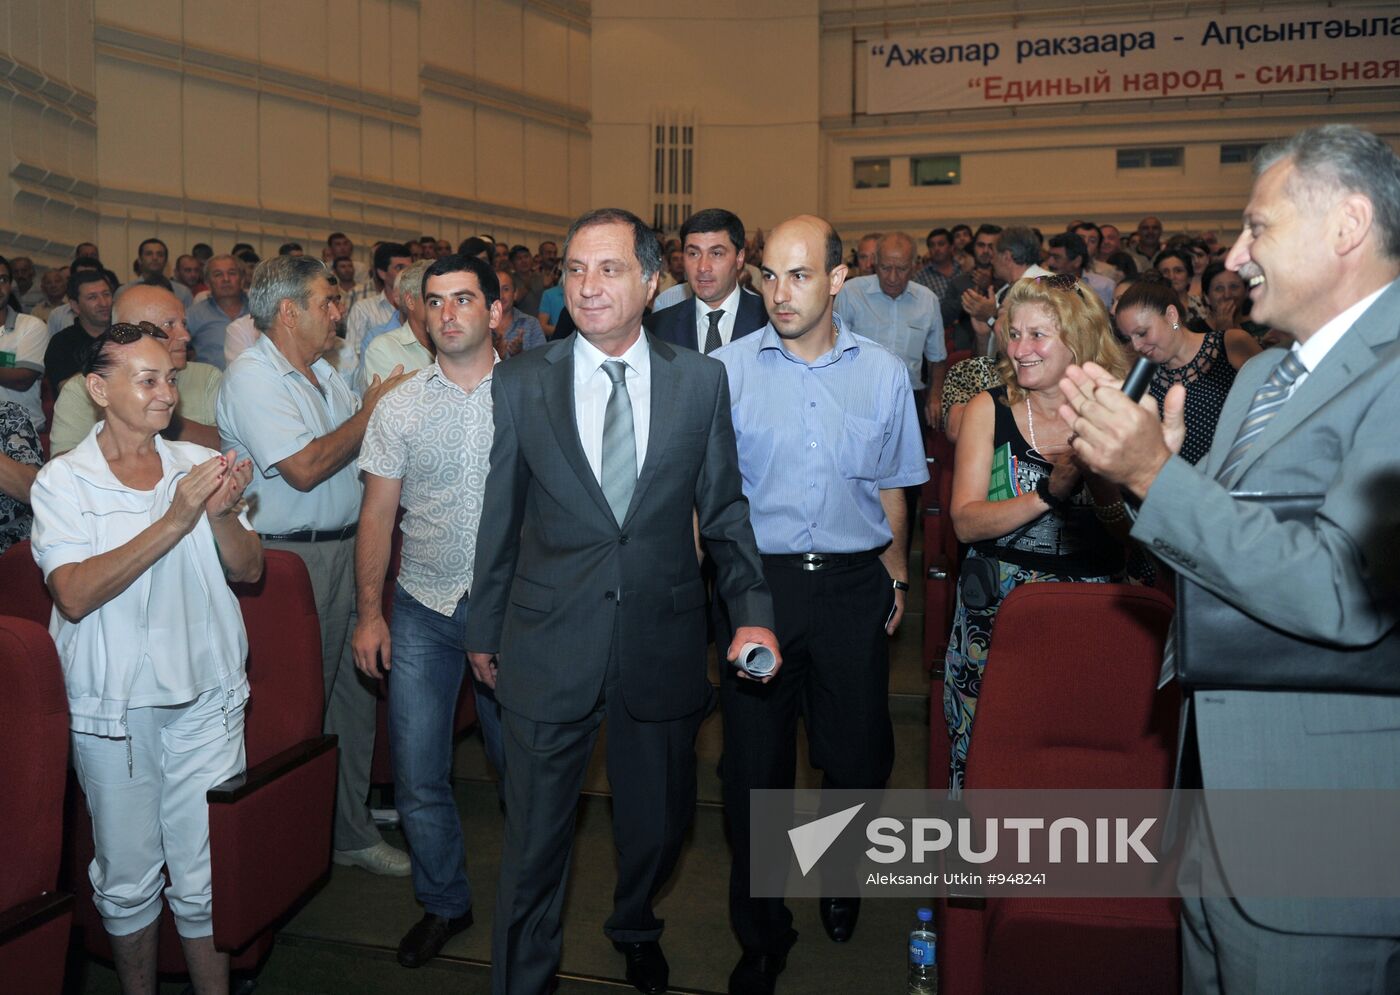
(718,310)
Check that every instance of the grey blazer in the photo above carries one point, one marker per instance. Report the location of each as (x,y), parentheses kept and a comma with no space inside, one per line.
(1333,581)
(559,586)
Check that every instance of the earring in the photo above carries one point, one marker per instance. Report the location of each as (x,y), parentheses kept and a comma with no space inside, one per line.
(1176,327)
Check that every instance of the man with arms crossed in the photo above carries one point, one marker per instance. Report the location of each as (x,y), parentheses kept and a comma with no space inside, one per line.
(828,437)
(1320,252)
(610,447)
(427,448)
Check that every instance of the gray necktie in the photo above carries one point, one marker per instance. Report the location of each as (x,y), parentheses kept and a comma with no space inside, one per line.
(619,476)
(712,336)
(1267,402)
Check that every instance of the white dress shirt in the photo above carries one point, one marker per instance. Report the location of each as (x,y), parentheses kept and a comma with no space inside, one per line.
(592,387)
(730,309)
(1320,342)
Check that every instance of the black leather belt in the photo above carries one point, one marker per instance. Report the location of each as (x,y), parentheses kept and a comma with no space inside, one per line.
(819,561)
(313,535)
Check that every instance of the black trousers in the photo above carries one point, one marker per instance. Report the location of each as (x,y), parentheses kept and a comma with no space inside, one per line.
(836,675)
(651,769)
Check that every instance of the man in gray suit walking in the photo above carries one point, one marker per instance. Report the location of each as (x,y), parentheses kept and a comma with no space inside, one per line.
(1320,253)
(611,448)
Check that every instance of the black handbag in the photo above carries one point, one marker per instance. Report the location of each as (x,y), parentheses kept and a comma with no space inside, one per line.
(979,582)
(1218,646)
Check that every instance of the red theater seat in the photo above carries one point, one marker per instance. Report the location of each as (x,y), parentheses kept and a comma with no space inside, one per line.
(270,829)
(1069,700)
(35,917)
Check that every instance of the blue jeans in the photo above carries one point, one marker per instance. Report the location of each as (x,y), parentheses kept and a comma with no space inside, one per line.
(428,657)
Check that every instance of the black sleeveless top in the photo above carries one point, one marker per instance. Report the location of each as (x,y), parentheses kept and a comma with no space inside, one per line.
(1071,542)
(1208,379)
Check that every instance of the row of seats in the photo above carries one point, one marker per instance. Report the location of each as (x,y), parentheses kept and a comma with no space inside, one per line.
(1069,700)
(260,869)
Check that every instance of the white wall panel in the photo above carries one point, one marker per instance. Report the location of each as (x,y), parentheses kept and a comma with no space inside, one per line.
(272,119)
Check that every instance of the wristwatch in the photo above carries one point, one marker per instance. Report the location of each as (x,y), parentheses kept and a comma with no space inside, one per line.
(1042,489)
(900,585)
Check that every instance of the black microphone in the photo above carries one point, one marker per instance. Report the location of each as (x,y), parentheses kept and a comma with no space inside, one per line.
(1138,378)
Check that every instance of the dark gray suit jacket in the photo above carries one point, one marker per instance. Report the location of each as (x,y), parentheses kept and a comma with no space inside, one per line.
(559,586)
(676,324)
(1333,581)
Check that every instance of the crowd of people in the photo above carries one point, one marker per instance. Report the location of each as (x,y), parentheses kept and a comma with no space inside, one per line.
(585,507)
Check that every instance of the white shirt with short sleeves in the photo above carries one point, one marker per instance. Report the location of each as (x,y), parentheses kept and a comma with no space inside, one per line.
(269,411)
(23,341)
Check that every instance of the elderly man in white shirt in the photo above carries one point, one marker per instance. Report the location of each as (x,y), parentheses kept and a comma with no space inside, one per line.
(282,404)
(408,345)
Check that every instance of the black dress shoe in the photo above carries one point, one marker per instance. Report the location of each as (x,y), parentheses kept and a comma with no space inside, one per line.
(756,974)
(647,970)
(424,941)
(839,917)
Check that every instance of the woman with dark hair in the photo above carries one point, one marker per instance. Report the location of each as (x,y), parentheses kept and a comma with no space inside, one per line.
(1177,266)
(1200,259)
(1028,510)
(138,538)
(1123,263)
(1149,315)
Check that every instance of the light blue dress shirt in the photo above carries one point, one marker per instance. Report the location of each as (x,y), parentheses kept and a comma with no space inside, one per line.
(208,324)
(269,411)
(910,325)
(819,441)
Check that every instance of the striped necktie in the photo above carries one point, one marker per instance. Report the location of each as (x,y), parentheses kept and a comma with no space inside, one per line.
(1268,401)
(619,469)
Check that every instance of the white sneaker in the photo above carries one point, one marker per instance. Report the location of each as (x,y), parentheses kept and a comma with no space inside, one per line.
(378,859)
(385,818)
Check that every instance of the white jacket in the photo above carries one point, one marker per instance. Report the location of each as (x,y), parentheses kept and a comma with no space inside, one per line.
(81,510)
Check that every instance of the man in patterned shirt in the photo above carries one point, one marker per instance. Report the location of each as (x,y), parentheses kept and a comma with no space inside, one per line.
(428,448)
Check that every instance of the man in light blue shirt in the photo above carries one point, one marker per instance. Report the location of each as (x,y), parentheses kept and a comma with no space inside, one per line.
(208,320)
(518,331)
(828,438)
(903,317)
(282,404)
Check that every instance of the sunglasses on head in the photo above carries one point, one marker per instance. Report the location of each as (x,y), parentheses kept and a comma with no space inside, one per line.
(1061,281)
(126,332)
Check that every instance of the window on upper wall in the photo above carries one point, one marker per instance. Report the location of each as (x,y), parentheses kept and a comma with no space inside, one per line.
(935,170)
(672,167)
(870,174)
(1240,153)
(1167,157)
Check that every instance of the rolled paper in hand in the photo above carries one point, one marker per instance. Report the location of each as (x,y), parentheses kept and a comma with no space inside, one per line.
(757,660)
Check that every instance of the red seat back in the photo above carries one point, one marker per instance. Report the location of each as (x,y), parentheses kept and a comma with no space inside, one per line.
(26,596)
(284,657)
(1070,699)
(33,760)
(33,764)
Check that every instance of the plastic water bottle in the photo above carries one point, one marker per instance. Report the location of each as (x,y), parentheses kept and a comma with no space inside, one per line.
(923,956)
